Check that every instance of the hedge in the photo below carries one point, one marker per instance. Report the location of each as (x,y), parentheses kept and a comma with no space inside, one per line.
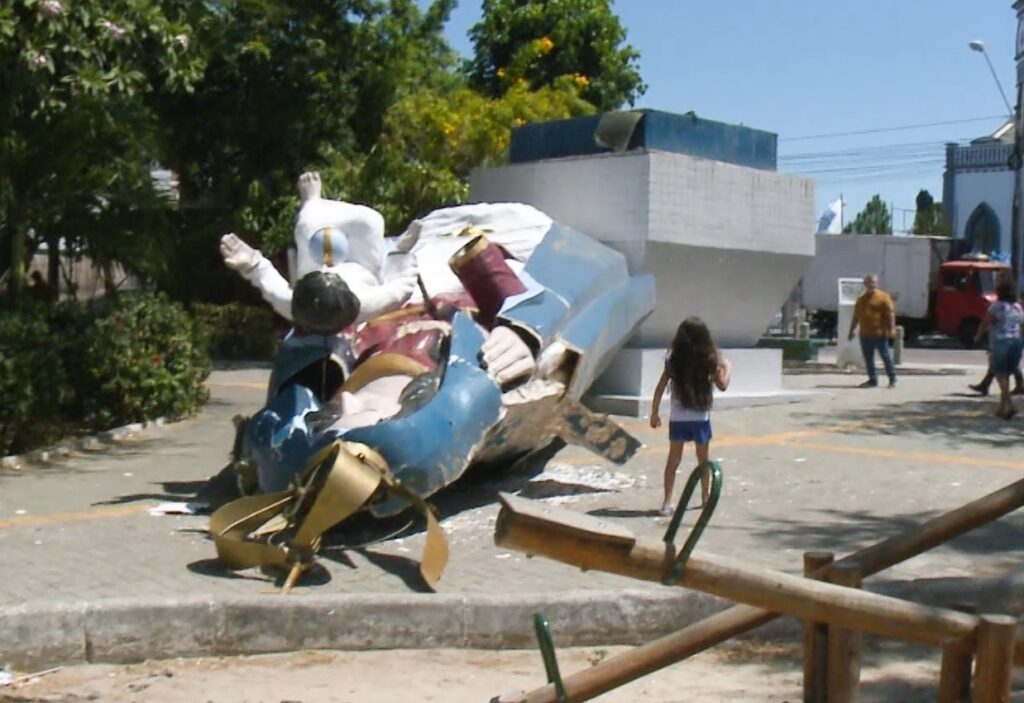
(238,332)
(74,367)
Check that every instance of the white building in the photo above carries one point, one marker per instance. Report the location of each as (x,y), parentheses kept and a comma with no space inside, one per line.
(977,192)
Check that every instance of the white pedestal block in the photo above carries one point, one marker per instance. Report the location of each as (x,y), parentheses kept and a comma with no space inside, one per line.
(627,386)
(727,243)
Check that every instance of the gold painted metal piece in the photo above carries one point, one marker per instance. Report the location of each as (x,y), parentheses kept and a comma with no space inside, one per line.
(379,366)
(472,249)
(283,530)
(328,252)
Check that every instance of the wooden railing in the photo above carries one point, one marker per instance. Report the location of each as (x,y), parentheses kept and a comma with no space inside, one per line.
(834,609)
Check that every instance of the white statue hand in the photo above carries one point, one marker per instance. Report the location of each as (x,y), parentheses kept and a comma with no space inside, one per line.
(309,186)
(506,355)
(238,255)
(409,238)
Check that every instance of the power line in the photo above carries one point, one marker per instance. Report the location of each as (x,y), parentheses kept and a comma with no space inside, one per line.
(875,168)
(878,130)
(935,146)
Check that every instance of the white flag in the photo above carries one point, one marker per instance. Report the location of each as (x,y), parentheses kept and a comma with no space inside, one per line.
(831,221)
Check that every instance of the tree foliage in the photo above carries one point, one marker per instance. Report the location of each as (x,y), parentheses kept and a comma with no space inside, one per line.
(238,97)
(289,85)
(535,42)
(929,217)
(75,131)
(873,219)
(432,140)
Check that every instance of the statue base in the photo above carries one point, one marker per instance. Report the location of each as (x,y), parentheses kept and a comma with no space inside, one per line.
(627,385)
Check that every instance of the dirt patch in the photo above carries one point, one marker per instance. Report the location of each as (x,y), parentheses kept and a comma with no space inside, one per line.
(743,672)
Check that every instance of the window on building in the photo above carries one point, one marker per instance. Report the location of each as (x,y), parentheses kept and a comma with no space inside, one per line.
(982,230)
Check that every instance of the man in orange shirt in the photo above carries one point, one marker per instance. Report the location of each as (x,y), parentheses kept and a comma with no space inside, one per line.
(875,314)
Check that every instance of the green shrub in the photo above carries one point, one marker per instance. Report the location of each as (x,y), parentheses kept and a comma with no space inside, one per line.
(239,332)
(132,358)
(71,367)
(33,384)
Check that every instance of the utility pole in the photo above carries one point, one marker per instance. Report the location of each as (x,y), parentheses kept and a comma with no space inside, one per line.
(1017,234)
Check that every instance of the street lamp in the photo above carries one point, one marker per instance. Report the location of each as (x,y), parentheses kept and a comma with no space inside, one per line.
(979,46)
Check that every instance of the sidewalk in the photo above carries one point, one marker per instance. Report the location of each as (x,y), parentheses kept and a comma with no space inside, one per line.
(851,467)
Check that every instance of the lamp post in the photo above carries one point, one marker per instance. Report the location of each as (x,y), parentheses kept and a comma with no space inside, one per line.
(1016,246)
(979,46)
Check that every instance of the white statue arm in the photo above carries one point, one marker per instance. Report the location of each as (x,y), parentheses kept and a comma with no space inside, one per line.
(257,269)
(379,298)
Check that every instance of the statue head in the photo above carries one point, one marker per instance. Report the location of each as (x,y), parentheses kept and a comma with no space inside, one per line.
(323,303)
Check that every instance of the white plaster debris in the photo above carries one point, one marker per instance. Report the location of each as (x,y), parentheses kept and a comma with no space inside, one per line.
(20,512)
(470,519)
(564,483)
(178,509)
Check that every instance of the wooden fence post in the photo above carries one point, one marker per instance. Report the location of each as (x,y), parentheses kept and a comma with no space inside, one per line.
(844,645)
(993,669)
(955,674)
(815,638)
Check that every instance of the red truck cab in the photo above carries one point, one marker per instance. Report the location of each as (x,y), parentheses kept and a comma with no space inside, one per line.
(963,291)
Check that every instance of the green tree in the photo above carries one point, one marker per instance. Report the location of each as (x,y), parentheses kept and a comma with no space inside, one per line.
(534,42)
(433,139)
(929,217)
(289,85)
(873,219)
(74,127)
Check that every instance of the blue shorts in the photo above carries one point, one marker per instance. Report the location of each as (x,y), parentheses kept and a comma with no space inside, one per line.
(1004,356)
(696,431)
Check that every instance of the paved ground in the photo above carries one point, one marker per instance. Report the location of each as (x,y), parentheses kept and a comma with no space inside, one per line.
(838,472)
(835,473)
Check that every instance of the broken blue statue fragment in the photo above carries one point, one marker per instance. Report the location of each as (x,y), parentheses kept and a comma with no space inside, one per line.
(384,414)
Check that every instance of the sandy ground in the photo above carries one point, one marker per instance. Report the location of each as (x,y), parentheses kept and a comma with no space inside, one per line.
(743,672)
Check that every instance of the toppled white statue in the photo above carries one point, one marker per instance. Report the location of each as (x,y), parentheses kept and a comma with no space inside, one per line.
(332,236)
(335,237)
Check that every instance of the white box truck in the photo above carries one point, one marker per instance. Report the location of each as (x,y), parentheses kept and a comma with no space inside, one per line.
(930,292)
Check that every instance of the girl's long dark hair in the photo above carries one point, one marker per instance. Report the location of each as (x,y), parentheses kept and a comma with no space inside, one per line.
(1006,291)
(692,364)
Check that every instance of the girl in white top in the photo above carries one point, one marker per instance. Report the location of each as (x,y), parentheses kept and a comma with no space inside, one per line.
(692,364)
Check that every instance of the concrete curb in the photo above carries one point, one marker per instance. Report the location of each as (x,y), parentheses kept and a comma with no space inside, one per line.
(125,630)
(62,450)
(37,636)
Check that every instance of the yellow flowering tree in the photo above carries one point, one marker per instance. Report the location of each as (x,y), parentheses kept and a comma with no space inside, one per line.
(433,139)
(536,42)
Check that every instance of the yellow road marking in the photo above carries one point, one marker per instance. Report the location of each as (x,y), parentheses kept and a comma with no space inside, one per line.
(773,439)
(57,518)
(238,384)
(792,438)
(929,457)
(797,438)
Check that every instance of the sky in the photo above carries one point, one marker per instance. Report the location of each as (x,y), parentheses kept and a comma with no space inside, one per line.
(801,68)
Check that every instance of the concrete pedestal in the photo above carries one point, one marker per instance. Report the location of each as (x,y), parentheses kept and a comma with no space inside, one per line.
(696,203)
(627,386)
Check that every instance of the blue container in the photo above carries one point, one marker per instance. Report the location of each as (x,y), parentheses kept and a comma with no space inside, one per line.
(655,130)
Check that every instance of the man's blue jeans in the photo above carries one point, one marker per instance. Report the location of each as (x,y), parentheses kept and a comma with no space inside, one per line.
(868,345)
